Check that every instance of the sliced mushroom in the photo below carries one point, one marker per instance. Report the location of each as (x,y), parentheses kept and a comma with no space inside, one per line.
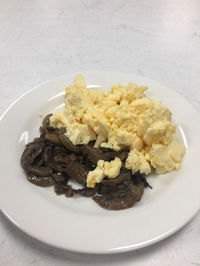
(62,159)
(46,121)
(52,137)
(41,181)
(39,170)
(67,143)
(137,190)
(55,166)
(121,197)
(58,177)
(39,140)
(42,132)
(52,159)
(92,154)
(31,152)
(48,154)
(137,178)
(122,155)
(76,171)
(88,192)
(59,189)
(69,191)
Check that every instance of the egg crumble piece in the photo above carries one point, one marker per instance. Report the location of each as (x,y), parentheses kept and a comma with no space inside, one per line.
(121,118)
(104,169)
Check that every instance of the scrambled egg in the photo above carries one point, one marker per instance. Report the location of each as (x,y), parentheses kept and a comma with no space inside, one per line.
(136,161)
(103,169)
(166,158)
(122,117)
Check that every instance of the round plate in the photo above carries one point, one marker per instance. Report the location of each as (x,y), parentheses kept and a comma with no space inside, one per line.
(79,224)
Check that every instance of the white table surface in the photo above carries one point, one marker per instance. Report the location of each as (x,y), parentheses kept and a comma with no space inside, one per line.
(40,40)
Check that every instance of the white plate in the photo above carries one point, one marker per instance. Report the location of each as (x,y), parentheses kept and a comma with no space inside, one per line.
(80,224)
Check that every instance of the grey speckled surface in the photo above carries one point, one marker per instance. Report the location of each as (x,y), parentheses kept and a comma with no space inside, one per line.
(40,40)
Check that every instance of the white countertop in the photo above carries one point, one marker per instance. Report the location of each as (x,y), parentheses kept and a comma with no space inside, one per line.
(40,40)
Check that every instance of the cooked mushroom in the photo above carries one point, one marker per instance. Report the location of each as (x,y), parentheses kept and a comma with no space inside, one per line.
(67,143)
(95,154)
(46,122)
(52,137)
(48,154)
(41,181)
(52,159)
(88,192)
(76,171)
(31,152)
(58,177)
(69,191)
(39,170)
(121,197)
(59,189)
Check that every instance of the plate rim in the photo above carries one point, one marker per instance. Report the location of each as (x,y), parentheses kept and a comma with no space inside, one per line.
(115,250)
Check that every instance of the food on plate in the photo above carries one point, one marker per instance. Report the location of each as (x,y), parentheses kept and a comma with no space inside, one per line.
(107,142)
(122,118)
